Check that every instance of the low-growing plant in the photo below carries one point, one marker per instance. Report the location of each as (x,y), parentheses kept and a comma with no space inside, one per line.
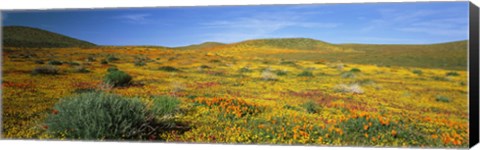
(117,78)
(288,63)
(310,107)
(215,61)
(73,63)
(99,116)
(54,62)
(441,98)
(452,73)
(306,73)
(355,70)
(418,72)
(104,62)
(164,105)
(111,58)
(140,63)
(282,72)
(205,67)
(168,68)
(80,69)
(46,70)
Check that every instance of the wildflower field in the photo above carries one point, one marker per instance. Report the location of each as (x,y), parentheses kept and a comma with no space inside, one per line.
(243,94)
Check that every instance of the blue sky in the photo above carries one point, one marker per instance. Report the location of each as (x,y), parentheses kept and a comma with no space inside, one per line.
(375,23)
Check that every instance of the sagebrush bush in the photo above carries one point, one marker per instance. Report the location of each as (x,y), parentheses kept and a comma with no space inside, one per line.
(441,98)
(111,58)
(418,72)
(205,67)
(104,62)
(453,73)
(168,69)
(355,70)
(310,107)
(140,63)
(99,116)
(80,69)
(306,73)
(117,78)
(46,70)
(54,62)
(73,63)
(282,72)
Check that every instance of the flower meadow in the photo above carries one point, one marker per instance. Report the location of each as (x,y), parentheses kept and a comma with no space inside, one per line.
(210,96)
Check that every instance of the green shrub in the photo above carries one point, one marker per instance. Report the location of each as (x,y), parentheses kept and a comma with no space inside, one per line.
(453,73)
(440,98)
(418,72)
(282,72)
(104,62)
(215,61)
(355,70)
(288,63)
(46,70)
(117,78)
(99,116)
(306,73)
(140,63)
(310,107)
(168,69)
(73,63)
(111,58)
(80,69)
(111,69)
(54,62)
(205,67)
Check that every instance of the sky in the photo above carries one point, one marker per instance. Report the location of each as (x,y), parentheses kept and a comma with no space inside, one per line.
(372,23)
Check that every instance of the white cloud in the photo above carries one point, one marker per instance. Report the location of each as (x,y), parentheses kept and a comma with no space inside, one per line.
(263,25)
(420,21)
(134,18)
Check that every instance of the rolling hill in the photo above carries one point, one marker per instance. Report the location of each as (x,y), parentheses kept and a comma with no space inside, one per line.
(201,46)
(19,36)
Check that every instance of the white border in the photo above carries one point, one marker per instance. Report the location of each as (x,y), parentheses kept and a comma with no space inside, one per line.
(69,4)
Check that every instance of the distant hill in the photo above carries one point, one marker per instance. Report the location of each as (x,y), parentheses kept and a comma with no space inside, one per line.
(204,45)
(450,55)
(19,36)
(286,43)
